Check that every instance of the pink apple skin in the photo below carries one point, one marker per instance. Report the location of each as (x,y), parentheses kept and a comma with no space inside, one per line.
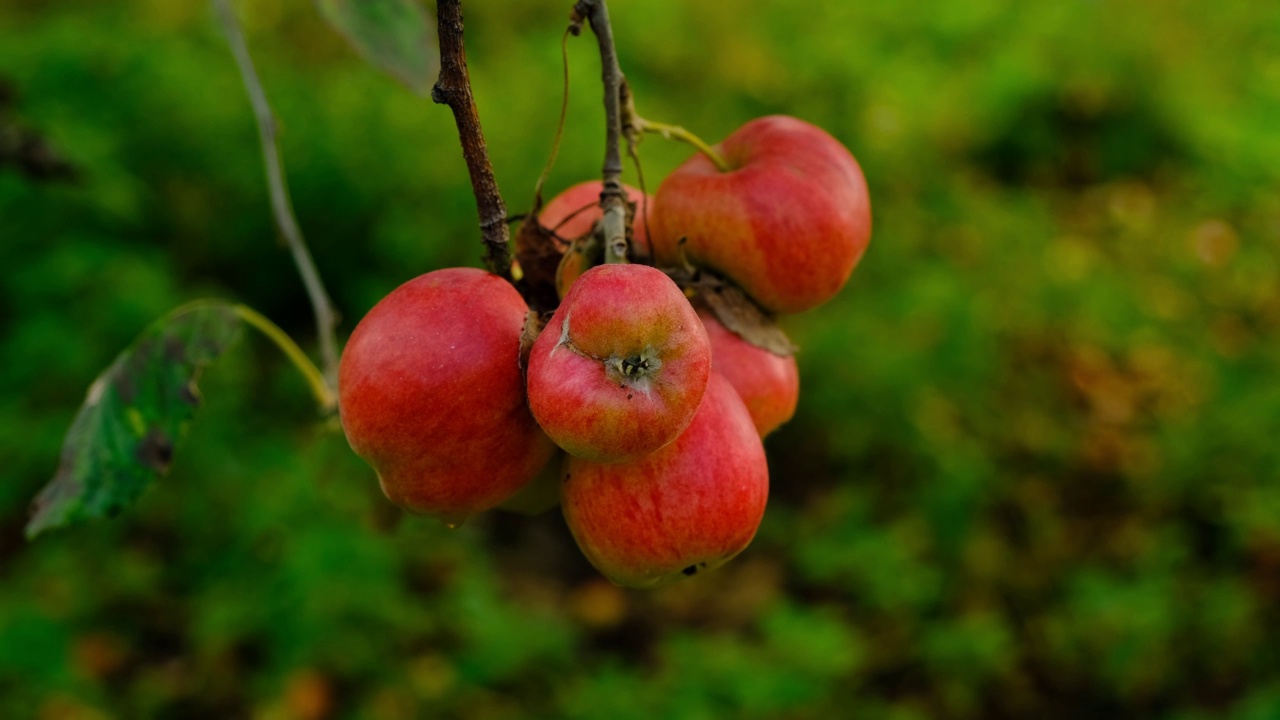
(787,224)
(431,394)
(681,511)
(619,370)
(558,215)
(768,384)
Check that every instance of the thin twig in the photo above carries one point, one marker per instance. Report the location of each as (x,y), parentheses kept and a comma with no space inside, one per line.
(453,88)
(564,114)
(281,205)
(612,196)
(633,136)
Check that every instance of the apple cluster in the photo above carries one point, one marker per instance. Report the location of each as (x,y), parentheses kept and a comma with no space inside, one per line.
(634,408)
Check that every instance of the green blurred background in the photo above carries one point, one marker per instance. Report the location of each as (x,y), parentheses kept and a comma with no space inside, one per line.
(1034,472)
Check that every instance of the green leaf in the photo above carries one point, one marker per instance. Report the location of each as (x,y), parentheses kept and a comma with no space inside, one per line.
(395,35)
(134,416)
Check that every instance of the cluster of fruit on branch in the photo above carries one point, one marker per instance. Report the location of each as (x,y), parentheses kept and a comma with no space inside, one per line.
(633,406)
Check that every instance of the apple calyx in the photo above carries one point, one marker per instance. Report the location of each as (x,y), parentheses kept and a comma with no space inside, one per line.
(635,370)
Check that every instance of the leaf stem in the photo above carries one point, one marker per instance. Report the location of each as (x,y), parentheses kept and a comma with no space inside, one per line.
(453,88)
(281,205)
(320,388)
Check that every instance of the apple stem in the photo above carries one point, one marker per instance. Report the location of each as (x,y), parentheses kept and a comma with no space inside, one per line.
(634,127)
(281,205)
(612,198)
(453,88)
(675,132)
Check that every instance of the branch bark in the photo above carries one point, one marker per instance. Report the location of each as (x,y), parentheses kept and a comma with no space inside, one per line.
(453,88)
(612,196)
(281,205)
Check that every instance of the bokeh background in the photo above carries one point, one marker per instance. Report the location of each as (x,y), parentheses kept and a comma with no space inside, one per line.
(1035,469)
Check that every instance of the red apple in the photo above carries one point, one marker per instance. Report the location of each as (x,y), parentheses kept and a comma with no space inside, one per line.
(431,394)
(769,384)
(685,509)
(787,223)
(619,370)
(573,213)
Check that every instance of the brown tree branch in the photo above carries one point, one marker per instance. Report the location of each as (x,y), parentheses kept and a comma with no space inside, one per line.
(453,88)
(612,197)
